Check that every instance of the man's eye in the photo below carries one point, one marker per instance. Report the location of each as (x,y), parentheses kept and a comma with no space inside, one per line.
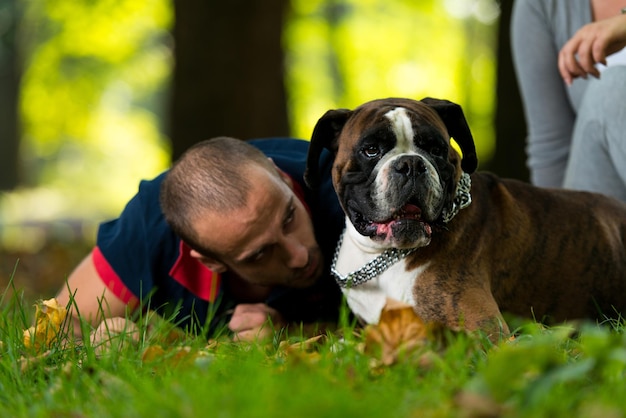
(290,217)
(256,257)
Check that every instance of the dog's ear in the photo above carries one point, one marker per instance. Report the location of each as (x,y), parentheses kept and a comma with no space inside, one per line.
(452,116)
(325,135)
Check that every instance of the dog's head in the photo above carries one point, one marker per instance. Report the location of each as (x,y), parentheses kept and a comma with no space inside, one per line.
(395,172)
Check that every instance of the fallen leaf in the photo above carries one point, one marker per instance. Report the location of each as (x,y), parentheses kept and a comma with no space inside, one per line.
(152,353)
(173,356)
(49,317)
(306,351)
(399,332)
(474,405)
(30,362)
(308,345)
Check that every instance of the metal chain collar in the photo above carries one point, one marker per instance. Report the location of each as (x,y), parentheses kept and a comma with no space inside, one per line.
(371,269)
(378,265)
(462,198)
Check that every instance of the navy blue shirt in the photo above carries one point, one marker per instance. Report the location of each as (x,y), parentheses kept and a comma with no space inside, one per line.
(143,262)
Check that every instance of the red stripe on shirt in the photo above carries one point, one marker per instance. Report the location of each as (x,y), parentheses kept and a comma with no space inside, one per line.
(111,280)
(195,276)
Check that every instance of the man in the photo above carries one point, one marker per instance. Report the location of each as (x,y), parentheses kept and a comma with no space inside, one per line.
(229,236)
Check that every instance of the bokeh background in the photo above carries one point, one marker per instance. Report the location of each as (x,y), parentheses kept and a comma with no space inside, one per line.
(96,95)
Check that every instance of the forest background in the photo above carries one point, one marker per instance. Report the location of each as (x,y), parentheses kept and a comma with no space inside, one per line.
(96,95)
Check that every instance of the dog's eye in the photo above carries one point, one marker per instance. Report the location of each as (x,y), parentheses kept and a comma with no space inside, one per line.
(437,151)
(371,151)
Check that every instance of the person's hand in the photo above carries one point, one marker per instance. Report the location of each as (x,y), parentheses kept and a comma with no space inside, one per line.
(590,45)
(113,333)
(254,321)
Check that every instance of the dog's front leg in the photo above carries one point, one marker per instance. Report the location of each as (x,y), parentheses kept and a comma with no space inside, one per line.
(467,309)
(481,313)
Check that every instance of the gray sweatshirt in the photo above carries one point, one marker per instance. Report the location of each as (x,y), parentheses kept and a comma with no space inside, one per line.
(539,28)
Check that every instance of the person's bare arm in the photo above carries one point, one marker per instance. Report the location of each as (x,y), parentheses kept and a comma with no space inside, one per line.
(90,298)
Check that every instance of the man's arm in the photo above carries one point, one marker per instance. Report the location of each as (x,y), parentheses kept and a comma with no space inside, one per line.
(90,299)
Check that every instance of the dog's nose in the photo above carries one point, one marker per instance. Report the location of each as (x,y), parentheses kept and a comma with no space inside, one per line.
(409,166)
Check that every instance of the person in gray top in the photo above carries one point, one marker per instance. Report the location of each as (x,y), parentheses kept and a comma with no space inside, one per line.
(576,123)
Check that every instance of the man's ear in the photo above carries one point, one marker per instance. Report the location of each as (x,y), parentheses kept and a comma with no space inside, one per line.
(211,263)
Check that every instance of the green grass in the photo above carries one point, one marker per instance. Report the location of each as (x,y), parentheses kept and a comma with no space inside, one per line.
(546,372)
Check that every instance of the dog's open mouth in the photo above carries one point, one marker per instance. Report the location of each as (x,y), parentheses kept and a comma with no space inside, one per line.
(407,217)
(405,225)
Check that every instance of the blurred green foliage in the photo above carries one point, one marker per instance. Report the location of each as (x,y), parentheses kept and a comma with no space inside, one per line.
(96,76)
(341,53)
(91,105)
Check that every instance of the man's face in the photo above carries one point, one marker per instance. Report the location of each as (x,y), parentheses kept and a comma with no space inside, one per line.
(270,241)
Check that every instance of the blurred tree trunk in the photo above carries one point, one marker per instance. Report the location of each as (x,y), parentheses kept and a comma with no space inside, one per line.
(228,74)
(9,83)
(509,159)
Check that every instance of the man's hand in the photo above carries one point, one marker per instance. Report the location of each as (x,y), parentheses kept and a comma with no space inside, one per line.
(254,321)
(112,333)
(86,293)
(590,46)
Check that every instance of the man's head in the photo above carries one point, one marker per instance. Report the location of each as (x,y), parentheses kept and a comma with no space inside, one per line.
(238,212)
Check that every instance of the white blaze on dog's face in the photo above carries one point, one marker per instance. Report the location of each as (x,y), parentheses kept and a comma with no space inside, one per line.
(398,177)
(405,158)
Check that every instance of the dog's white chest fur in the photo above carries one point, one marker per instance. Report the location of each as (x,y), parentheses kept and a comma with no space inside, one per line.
(368,299)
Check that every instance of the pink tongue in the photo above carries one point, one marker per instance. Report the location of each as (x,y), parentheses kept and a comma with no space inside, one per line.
(383,229)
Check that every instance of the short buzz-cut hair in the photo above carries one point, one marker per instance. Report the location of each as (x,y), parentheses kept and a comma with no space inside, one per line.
(212,175)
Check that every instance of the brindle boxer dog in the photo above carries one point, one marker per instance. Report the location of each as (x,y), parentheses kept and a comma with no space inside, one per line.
(461,246)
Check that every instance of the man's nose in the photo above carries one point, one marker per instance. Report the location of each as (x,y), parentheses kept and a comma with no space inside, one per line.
(297,254)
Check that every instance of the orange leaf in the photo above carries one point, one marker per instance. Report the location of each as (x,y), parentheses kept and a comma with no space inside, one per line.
(152,353)
(399,331)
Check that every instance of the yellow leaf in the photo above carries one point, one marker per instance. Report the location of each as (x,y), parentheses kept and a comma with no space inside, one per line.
(49,317)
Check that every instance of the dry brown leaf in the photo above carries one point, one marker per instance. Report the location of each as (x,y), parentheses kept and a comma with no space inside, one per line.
(308,345)
(474,405)
(173,357)
(28,362)
(399,332)
(49,317)
(306,351)
(152,353)
(214,343)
